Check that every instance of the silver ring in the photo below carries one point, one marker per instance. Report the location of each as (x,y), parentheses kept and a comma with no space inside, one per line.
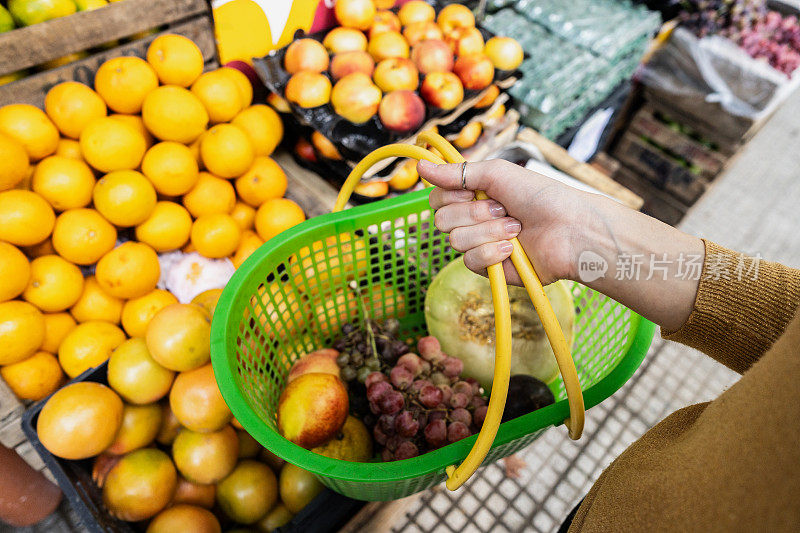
(464,175)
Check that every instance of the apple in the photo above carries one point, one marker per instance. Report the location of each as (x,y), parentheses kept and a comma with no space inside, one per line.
(341,40)
(312,409)
(402,111)
(325,147)
(432,56)
(454,16)
(465,41)
(322,361)
(405,177)
(488,97)
(475,71)
(349,62)
(384,21)
(468,135)
(279,103)
(416,11)
(388,44)
(308,89)
(505,53)
(422,31)
(442,90)
(357,14)
(305,54)
(396,74)
(356,98)
(305,151)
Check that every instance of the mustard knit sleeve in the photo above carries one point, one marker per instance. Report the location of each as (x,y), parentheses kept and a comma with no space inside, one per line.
(743,305)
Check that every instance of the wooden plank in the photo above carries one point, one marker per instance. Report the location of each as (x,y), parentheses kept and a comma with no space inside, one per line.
(560,158)
(315,195)
(30,456)
(646,124)
(32,90)
(657,203)
(11,432)
(657,167)
(33,45)
(10,406)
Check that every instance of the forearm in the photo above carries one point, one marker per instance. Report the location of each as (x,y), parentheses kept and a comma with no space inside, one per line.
(652,268)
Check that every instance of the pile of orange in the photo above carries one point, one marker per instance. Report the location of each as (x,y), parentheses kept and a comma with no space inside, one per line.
(178,158)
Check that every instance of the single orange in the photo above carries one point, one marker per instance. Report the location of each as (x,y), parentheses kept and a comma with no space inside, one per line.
(227,151)
(69,148)
(25,217)
(140,485)
(208,300)
(31,127)
(171,167)
(176,59)
(43,248)
(109,144)
(96,304)
(55,284)
(244,215)
(210,195)
(83,236)
(249,243)
(220,95)
(242,83)
(174,114)
(263,125)
(71,106)
(124,82)
(196,519)
(128,271)
(140,425)
(206,457)
(264,181)
(125,197)
(178,337)
(15,271)
(277,215)
(216,235)
(167,228)
(14,164)
(21,331)
(88,345)
(64,182)
(136,122)
(56,327)
(136,376)
(35,378)
(197,402)
(137,312)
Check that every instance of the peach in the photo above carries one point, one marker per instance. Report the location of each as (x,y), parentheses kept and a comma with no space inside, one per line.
(442,90)
(305,54)
(505,53)
(356,98)
(468,135)
(402,111)
(279,103)
(488,97)
(340,40)
(396,74)
(388,44)
(305,150)
(349,62)
(372,189)
(405,177)
(475,71)
(422,31)
(454,16)
(464,41)
(495,115)
(432,56)
(384,21)
(357,14)
(308,89)
(322,361)
(325,147)
(312,409)
(416,11)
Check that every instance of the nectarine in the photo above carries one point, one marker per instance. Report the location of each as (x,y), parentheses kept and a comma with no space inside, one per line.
(465,41)
(475,71)
(340,40)
(357,14)
(308,89)
(432,56)
(488,98)
(325,147)
(402,111)
(468,135)
(416,11)
(396,74)
(322,361)
(442,90)
(422,31)
(384,21)
(349,62)
(505,53)
(388,44)
(356,98)
(454,16)
(305,54)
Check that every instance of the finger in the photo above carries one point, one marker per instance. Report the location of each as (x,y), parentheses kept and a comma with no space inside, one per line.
(486,255)
(467,214)
(464,238)
(480,175)
(441,197)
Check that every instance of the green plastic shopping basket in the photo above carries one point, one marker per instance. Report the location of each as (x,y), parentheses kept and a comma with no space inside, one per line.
(296,291)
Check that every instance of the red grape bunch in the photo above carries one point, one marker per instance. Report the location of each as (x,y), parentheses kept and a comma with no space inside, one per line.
(422,404)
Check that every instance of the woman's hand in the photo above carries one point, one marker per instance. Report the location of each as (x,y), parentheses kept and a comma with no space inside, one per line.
(544,213)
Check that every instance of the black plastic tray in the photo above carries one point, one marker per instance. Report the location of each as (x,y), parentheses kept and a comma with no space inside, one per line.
(327,513)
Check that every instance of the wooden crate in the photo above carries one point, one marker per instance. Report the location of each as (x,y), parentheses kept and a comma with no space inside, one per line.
(28,47)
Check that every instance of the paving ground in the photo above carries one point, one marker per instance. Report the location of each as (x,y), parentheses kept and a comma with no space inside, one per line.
(753,207)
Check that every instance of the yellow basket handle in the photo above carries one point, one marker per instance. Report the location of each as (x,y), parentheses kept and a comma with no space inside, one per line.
(497,280)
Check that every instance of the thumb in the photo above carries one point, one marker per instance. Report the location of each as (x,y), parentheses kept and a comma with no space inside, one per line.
(480,175)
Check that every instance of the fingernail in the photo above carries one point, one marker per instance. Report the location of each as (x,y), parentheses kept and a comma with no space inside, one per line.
(497,210)
(505,247)
(513,227)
